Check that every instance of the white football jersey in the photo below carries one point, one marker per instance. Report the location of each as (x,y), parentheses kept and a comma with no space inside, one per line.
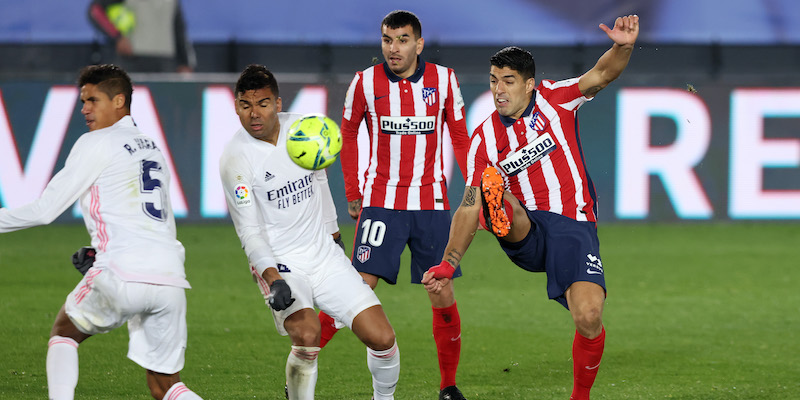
(282,212)
(122,181)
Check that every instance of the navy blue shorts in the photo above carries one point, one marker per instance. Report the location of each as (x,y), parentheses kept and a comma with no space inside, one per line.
(566,250)
(382,235)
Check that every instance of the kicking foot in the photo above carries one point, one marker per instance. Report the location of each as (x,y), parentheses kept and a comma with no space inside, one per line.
(494,213)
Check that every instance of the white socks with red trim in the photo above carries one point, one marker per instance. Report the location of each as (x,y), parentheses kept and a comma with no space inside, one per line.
(179,391)
(301,372)
(62,368)
(385,368)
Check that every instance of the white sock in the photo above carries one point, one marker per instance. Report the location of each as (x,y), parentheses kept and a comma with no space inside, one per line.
(385,368)
(62,368)
(179,391)
(301,372)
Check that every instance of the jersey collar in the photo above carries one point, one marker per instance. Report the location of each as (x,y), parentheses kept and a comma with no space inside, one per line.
(413,78)
(508,121)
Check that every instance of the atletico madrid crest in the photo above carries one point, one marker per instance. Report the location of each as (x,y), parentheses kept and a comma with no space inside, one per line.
(362,254)
(429,95)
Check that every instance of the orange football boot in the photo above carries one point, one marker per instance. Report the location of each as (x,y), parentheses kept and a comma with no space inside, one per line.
(494,213)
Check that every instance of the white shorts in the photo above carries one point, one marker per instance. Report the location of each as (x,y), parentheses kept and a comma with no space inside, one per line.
(156,317)
(334,287)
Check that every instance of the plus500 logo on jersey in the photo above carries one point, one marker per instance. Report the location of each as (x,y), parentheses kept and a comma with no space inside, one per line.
(526,156)
(408,125)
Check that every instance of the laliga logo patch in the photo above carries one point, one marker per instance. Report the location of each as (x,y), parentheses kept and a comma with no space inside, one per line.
(242,193)
(594,264)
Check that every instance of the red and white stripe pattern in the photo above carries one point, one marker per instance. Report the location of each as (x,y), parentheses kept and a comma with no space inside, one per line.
(305,353)
(405,171)
(384,354)
(559,181)
(176,391)
(262,284)
(87,284)
(97,217)
(62,340)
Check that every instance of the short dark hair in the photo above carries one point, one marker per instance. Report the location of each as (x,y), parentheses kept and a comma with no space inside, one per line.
(518,59)
(400,18)
(256,77)
(110,79)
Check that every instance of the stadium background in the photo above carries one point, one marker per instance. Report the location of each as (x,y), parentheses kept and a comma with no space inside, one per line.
(702,306)
(703,125)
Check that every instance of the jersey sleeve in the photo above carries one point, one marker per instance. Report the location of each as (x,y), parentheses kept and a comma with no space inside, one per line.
(236,183)
(455,116)
(352,115)
(477,160)
(85,162)
(329,217)
(565,93)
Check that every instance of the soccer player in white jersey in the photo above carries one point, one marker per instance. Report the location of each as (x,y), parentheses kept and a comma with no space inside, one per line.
(400,199)
(122,181)
(285,217)
(536,196)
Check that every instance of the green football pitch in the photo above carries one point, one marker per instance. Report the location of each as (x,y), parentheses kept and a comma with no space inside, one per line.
(695,311)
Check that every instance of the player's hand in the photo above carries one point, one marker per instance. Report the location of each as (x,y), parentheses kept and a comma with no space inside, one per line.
(337,238)
(354,208)
(438,277)
(443,270)
(83,259)
(625,31)
(280,295)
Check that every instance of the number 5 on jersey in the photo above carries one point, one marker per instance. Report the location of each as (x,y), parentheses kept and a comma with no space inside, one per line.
(150,187)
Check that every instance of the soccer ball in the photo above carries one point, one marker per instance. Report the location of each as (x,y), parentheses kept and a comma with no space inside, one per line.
(122,17)
(314,141)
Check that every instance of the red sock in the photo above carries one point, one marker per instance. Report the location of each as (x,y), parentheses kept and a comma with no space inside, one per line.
(586,356)
(447,334)
(328,328)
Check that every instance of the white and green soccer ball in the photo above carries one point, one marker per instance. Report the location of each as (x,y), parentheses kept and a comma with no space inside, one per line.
(314,141)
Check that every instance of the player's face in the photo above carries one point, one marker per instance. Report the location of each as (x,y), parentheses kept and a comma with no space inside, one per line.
(258,112)
(99,110)
(510,91)
(400,49)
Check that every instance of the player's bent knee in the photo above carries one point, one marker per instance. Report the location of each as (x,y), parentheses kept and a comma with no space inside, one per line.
(307,337)
(588,320)
(383,341)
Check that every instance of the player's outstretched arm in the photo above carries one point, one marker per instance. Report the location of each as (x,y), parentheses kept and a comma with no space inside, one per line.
(611,64)
(462,231)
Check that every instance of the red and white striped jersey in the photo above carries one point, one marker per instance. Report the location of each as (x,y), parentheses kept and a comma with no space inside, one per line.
(539,155)
(404,119)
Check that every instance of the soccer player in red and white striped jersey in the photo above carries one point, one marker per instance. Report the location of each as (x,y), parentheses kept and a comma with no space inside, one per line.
(400,198)
(527,175)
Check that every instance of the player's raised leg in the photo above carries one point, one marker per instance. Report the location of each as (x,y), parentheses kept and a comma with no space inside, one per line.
(586,301)
(502,214)
(383,356)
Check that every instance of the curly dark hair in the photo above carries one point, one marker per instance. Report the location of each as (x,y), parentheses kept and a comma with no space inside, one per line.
(256,77)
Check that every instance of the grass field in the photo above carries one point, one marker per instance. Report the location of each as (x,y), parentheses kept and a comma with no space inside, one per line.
(697,311)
